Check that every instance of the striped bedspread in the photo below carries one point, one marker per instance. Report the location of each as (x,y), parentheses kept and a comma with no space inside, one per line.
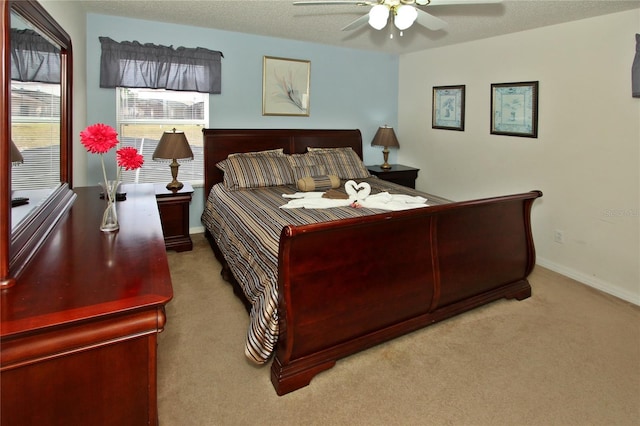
(246,225)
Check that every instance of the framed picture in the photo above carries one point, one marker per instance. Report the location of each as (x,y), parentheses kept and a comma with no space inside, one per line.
(285,86)
(514,109)
(448,108)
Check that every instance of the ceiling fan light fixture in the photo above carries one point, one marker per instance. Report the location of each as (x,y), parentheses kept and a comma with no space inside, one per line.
(405,16)
(378,16)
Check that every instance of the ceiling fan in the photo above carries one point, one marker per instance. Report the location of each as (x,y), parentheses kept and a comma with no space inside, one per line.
(404,12)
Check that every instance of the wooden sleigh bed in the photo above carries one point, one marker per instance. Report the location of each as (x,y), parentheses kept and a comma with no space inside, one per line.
(344,286)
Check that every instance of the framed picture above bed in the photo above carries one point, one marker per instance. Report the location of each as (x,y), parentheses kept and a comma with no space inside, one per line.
(448,108)
(285,86)
(514,109)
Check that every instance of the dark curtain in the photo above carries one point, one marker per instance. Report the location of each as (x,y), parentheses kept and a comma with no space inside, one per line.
(635,71)
(132,64)
(33,58)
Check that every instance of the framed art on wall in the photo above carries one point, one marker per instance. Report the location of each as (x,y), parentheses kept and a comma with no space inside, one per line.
(448,107)
(285,86)
(514,109)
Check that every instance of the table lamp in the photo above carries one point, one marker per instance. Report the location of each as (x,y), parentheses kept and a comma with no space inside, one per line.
(173,146)
(16,156)
(385,137)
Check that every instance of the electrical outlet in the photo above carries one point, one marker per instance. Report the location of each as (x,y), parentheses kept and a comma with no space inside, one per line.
(558,236)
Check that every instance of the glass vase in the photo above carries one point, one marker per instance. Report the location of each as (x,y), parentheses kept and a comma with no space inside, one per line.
(110,216)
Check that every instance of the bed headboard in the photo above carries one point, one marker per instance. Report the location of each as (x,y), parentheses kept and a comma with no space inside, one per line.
(219,143)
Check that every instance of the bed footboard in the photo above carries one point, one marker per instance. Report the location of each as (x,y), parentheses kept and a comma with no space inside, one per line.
(349,285)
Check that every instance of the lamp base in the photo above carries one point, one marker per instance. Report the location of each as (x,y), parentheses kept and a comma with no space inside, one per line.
(385,154)
(174,185)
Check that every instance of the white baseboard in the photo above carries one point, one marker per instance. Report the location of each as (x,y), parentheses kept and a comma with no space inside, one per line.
(196,230)
(590,281)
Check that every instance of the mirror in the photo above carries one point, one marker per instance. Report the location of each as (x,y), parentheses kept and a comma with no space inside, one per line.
(36,111)
(35,118)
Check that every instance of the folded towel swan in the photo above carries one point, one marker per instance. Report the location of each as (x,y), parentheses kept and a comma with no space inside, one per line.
(358,193)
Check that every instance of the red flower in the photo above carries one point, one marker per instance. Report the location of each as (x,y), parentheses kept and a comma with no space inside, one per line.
(129,158)
(99,138)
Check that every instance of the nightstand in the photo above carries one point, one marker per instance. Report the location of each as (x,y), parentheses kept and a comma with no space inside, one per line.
(174,214)
(402,175)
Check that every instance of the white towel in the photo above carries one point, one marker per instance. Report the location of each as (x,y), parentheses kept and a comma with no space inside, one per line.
(311,194)
(357,191)
(358,194)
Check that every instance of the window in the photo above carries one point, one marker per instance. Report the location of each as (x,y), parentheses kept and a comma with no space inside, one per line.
(35,130)
(144,114)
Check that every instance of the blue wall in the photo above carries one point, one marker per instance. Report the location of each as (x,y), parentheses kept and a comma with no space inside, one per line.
(350,89)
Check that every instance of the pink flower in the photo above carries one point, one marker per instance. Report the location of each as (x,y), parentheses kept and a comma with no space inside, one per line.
(99,138)
(129,158)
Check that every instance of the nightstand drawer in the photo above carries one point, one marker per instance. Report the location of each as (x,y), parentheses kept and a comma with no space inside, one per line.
(402,175)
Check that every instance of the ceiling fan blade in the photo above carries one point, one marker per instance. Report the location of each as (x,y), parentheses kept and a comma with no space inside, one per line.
(461,2)
(311,2)
(357,23)
(429,21)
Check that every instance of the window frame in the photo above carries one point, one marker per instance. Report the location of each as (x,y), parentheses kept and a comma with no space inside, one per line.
(168,124)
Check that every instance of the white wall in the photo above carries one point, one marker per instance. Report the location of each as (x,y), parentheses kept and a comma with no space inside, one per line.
(586,158)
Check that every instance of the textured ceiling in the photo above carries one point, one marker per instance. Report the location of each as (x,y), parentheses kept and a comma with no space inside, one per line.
(323,23)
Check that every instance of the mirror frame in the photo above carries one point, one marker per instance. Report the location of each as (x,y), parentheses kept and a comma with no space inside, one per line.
(17,246)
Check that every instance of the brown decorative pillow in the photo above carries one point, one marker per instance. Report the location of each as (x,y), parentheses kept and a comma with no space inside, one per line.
(318,183)
(342,162)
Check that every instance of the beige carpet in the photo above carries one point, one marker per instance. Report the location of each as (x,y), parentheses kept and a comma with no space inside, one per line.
(569,355)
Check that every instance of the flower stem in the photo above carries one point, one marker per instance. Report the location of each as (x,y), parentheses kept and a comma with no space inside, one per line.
(108,194)
(115,184)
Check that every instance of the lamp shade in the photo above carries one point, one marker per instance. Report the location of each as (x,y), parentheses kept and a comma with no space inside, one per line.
(16,156)
(173,146)
(385,136)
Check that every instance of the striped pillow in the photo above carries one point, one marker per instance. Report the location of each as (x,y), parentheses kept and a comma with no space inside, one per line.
(300,172)
(304,165)
(255,171)
(342,162)
(269,153)
(301,160)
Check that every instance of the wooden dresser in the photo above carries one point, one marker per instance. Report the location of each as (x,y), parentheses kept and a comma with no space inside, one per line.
(79,328)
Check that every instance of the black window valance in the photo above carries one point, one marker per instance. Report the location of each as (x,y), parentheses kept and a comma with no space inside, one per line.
(33,57)
(132,64)
(635,70)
